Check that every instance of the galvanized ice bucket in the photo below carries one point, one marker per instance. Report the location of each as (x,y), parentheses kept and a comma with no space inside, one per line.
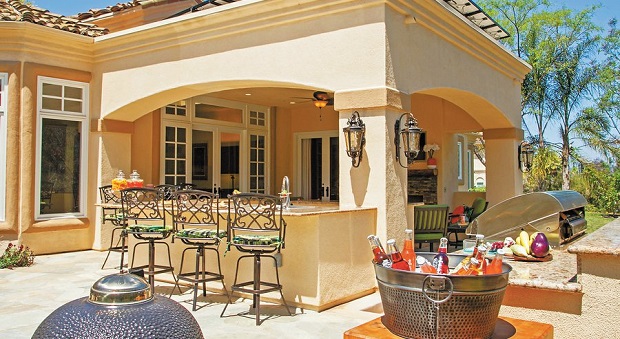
(418,305)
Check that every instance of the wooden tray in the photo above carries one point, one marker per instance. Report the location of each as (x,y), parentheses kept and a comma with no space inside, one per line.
(548,257)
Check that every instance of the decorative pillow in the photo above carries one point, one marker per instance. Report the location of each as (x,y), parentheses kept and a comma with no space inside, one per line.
(456,214)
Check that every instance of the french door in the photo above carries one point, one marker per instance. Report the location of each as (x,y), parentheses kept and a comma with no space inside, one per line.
(317,165)
(216,160)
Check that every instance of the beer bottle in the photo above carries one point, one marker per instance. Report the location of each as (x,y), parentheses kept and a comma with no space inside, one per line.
(398,262)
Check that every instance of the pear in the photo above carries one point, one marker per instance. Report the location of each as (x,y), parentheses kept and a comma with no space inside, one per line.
(518,250)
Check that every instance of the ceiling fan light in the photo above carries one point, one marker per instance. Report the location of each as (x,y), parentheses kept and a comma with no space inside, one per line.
(320,103)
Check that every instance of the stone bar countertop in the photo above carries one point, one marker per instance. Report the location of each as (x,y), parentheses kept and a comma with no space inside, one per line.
(606,240)
(560,272)
(556,274)
(308,207)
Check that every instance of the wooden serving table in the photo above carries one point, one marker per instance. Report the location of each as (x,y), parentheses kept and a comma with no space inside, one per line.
(504,328)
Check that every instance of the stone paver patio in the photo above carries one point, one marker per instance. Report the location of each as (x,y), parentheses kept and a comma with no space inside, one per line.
(29,294)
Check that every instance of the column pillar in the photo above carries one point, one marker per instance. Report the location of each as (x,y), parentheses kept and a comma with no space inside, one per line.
(379,181)
(504,179)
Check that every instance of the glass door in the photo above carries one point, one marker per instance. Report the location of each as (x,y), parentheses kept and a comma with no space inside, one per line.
(216,161)
(317,164)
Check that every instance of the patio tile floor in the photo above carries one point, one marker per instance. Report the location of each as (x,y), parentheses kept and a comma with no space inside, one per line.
(30,294)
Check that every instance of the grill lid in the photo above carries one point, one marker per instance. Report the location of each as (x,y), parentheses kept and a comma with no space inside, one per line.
(539,210)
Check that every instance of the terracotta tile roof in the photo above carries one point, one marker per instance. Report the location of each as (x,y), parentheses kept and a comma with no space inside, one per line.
(13,10)
(192,5)
(119,7)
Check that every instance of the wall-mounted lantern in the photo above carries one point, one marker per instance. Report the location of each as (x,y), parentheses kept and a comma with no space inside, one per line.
(410,135)
(355,138)
(526,156)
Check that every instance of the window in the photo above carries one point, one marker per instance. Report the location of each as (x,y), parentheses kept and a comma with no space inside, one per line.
(257,163)
(175,154)
(178,109)
(62,136)
(3,145)
(257,118)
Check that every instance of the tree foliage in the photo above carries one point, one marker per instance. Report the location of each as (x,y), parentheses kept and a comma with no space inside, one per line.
(571,96)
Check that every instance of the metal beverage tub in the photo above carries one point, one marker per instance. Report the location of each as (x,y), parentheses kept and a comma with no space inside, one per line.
(418,305)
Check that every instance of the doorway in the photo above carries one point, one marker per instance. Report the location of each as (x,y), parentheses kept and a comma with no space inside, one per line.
(317,165)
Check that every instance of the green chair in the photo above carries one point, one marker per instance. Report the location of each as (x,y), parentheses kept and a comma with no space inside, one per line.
(430,222)
(478,206)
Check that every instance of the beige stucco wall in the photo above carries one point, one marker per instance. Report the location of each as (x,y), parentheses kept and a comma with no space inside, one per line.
(380,58)
(322,253)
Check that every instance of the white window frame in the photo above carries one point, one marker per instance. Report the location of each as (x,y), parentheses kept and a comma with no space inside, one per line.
(68,116)
(244,129)
(4,92)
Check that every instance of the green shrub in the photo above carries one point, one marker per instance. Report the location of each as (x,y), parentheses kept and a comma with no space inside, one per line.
(16,256)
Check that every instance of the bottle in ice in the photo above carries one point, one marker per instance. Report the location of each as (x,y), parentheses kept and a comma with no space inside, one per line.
(440,261)
(495,267)
(468,267)
(408,253)
(480,257)
(479,241)
(424,266)
(398,262)
(380,257)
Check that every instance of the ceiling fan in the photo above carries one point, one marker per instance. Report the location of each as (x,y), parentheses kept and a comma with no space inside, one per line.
(320,99)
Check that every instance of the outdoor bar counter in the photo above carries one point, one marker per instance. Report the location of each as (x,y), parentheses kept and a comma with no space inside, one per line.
(578,292)
(325,261)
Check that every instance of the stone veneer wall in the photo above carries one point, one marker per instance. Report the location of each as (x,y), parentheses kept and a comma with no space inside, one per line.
(422,186)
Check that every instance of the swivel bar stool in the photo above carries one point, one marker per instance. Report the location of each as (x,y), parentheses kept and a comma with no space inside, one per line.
(197,222)
(253,229)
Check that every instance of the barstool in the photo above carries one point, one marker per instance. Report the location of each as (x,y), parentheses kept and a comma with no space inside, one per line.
(111,210)
(145,208)
(252,228)
(198,224)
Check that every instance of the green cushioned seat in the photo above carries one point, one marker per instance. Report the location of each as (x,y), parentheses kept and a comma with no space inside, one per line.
(428,236)
(201,233)
(262,240)
(148,228)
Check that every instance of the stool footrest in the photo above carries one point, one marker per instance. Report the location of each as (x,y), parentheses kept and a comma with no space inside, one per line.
(118,249)
(191,277)
(157,269)
(241,287)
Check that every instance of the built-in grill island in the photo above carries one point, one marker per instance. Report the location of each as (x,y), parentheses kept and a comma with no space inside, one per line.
(559,214)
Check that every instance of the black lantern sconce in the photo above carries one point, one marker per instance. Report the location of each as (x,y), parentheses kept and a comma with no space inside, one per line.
(410,135)
(526,156)
(355,138)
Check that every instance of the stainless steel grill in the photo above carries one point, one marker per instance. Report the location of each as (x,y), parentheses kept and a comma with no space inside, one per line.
(559,214)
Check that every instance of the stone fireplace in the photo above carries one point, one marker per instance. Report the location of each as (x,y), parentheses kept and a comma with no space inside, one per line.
(422,187)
